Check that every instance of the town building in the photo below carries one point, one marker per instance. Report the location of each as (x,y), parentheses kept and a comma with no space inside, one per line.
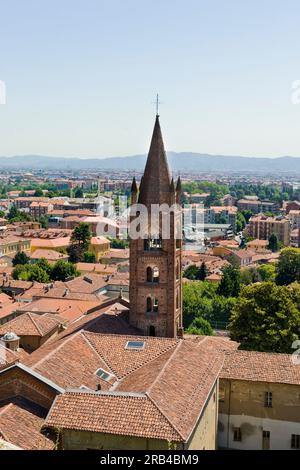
(256,206)
(262,227)
(259,402)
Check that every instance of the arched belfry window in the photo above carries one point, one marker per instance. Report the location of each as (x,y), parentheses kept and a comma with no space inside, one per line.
(152,244)
(149,304)
(155,272)
(152,274)
(152,330)
(149,274)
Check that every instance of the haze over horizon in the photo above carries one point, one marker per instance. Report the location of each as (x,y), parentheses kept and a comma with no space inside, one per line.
(81,77)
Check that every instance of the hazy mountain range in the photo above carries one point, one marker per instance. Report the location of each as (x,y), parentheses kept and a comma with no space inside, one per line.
(179,162)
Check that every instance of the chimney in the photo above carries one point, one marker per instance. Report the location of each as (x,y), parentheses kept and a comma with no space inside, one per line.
(180,332)
(98,387)
(66,292)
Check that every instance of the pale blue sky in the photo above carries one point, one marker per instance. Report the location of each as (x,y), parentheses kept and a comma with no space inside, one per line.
(81,76)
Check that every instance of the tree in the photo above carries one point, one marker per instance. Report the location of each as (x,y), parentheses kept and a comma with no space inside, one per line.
(18,271)
(82,235)
(89,257)
(62,270)
(30,272)
(221,310)
(240,221)
(78,192)
(118,243)
(14,215)
(230,282)
(246,277)
(191,272)
(202,273)
(247,214)
(20,258)
(80,240)
(38,192)
(200,326)
(197,301)
(44,221)
(266,317)
(75,253)
(273,243)
(200,300)
(13,212)
(45,265)
(288,267)
(266,272)
(36,273)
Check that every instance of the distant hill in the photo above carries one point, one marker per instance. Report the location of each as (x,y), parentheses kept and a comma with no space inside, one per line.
(178,161)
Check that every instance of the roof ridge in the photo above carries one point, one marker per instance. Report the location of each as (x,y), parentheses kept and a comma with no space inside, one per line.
(98,353)
(196,389)
(114,393)
(35,324)
(165,417)
(145,362)
(3,436)
(178,345)
(5,407)
(55,349)
(156,338)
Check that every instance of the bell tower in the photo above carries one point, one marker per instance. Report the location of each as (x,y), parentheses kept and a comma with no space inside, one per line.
(156,248)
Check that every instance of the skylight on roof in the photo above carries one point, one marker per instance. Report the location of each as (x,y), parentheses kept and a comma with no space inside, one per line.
(104,375)
(135,345)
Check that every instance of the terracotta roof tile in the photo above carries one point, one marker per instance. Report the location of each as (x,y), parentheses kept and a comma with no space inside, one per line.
(30,324)
(261,367)
(112,413)
(20,424)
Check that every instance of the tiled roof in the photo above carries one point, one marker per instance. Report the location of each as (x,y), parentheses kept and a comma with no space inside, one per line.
(7,356)
(87,284)
(97,267)
(176,375)
(171,382)
(69,309)
(51,255)
(123,361)
(9,308)
(99,240)
(112,413)
(20,424)
(16,284)
(261,367)
(30,324)
(50,242)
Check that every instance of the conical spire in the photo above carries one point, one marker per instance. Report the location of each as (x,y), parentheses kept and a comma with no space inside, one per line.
(134,186)
(172,186)
(155,185)
(178,185)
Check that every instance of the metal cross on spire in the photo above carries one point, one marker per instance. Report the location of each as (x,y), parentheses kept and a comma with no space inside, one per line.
(157,103)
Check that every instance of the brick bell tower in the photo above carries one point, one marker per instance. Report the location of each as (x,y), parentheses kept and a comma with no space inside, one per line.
(155,260)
